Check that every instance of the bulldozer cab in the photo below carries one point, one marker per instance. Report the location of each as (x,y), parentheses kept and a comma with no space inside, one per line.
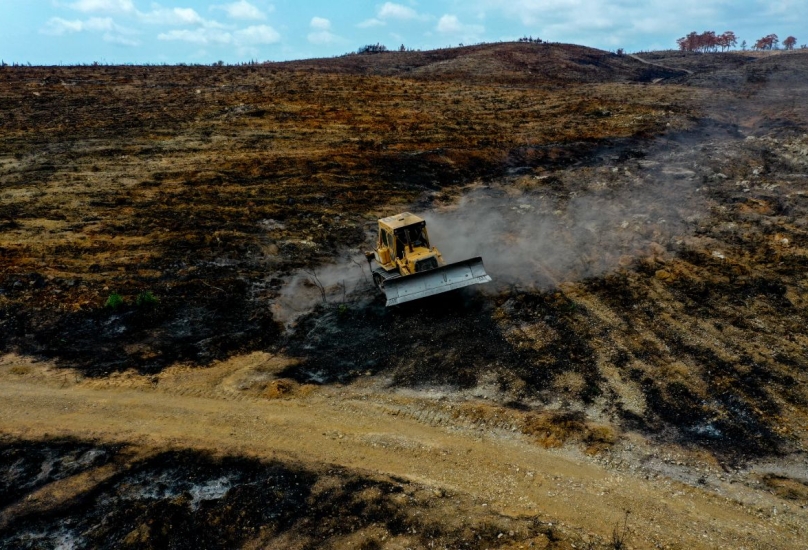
(399,234)
(413,236)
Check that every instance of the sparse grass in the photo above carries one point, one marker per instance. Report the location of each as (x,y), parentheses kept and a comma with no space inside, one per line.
(620,534)
(785,487)
(553,430)
(20,370)
(280,388)
(600,438)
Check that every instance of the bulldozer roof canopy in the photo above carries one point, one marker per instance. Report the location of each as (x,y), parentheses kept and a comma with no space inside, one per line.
(400,220)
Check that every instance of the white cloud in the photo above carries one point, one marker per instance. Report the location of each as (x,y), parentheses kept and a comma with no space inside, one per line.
(251,36)
(112,6)
(121,40)
(57,26)
(322,37)
(172,17)
(320,23)
(451,25)
(242,10)
(321,32)
(255,35)
(158,15)
(198,29)
(112,32)
(613,23)
(597,14)
(201,35)
(532,12)
(391,10)
(370,23)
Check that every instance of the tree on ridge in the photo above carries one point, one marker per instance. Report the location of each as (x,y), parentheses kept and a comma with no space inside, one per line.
(789,43)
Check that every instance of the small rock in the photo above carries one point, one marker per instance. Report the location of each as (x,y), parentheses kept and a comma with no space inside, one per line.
(663,275)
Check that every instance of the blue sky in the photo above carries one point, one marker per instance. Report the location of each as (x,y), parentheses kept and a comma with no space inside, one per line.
(204,31)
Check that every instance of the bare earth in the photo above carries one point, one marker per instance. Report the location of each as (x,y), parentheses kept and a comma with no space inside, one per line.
(387,435)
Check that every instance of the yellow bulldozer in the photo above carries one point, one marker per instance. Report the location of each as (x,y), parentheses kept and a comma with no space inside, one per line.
(410,268)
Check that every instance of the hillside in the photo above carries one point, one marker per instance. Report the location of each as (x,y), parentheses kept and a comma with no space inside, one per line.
(522,64)
(637,365)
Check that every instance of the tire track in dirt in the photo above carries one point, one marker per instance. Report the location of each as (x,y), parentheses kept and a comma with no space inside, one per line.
(506,472)
(641,60)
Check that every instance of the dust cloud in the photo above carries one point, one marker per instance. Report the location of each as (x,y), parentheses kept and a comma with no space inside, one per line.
(542,240)
(538,231)
(346,281)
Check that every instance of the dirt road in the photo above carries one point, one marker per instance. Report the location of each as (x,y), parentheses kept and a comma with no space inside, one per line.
(222,409)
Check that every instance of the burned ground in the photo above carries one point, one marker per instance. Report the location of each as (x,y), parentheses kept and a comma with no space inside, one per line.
(697,326)
(517,65)
(29,467)
(205,186)
(408,344)
(677,316)
(185,499)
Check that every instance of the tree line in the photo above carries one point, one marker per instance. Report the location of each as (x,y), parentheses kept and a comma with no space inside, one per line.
(710,41)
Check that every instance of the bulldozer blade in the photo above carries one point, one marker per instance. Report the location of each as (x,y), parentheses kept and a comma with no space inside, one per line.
(435,281)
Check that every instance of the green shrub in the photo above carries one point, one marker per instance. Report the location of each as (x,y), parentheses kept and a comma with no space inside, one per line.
(114,301)
(146,298)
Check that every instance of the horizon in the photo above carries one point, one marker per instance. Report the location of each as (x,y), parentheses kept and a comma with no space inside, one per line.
(13,64)
(203,32)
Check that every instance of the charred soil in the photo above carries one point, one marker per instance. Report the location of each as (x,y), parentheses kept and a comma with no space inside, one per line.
(644,221)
